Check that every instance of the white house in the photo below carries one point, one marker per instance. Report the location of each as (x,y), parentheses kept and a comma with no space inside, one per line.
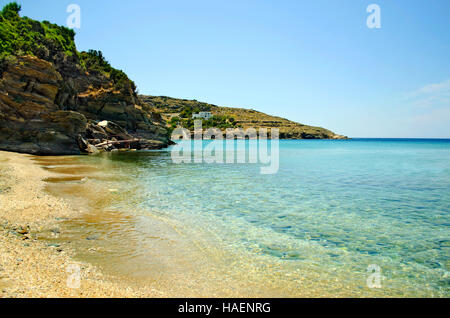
(204,115)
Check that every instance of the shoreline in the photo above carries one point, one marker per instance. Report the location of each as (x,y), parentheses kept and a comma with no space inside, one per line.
(32,268)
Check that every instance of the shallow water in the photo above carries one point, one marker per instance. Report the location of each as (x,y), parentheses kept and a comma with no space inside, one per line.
(312,229)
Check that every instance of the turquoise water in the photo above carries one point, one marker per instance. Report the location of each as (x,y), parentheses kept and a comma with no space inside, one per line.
(313,228)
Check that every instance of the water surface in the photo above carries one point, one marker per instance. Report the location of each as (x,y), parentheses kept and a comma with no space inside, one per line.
(312,229)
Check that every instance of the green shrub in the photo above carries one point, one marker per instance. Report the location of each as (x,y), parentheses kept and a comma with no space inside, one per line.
(186,112)
(30,36)
(24,36)
(94,61)
(11,10)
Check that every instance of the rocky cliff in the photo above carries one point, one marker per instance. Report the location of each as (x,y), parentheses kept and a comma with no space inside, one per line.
(55,100)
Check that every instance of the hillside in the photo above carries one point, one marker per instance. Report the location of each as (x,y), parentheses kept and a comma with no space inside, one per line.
(179,112)
(55,100)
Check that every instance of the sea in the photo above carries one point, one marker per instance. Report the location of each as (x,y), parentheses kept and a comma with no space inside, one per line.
(337,218)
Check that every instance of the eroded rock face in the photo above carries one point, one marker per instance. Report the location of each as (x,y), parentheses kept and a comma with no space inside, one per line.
(44,112)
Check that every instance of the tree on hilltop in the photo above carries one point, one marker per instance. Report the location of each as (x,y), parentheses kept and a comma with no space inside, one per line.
(11,10)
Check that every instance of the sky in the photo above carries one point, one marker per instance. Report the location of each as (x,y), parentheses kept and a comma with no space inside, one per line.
(311,61)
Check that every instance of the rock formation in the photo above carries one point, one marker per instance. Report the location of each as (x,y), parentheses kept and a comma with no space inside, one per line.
(43,113)
(53,98)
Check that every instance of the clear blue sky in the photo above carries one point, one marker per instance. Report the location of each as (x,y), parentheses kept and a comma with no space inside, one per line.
(314,61)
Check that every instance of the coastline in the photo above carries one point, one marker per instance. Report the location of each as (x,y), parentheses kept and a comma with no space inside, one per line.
(30,267)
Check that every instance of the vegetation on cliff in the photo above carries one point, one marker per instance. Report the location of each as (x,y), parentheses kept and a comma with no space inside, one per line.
(94,61)
(221,122)
(24,36)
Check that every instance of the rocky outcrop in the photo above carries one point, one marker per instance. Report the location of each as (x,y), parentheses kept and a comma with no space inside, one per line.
(47,108)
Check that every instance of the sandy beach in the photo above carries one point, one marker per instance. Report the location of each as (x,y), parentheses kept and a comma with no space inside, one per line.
(30,267)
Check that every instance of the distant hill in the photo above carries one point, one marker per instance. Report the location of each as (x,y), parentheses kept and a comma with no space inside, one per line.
(179,112)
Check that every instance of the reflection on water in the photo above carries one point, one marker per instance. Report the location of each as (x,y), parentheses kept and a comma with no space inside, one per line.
(225,230)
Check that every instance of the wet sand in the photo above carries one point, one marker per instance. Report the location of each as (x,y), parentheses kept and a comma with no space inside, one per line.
(30,267)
